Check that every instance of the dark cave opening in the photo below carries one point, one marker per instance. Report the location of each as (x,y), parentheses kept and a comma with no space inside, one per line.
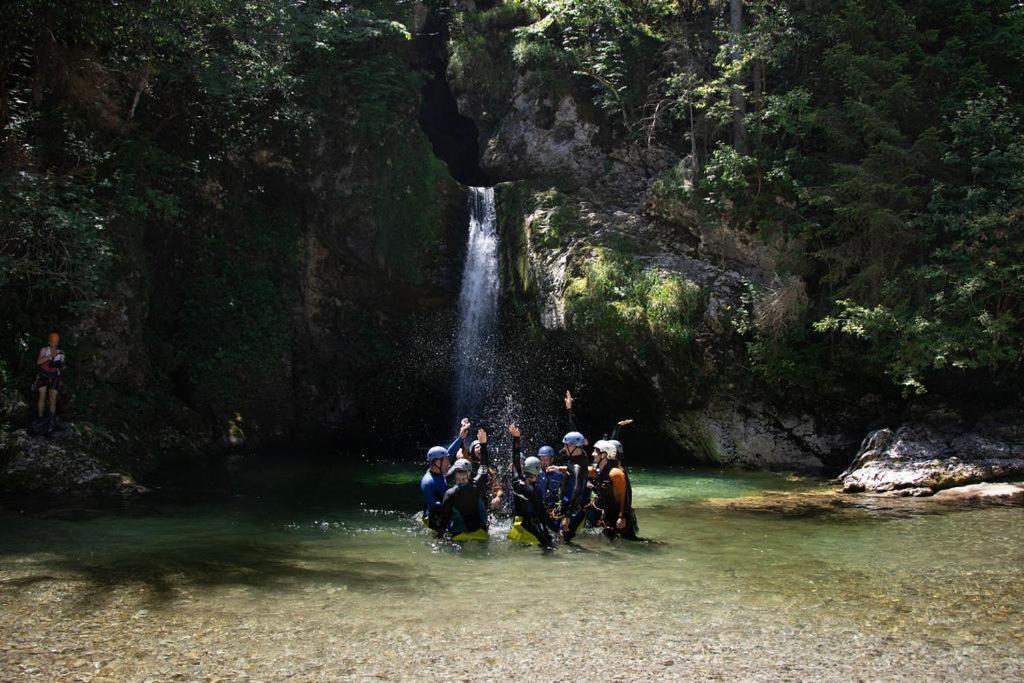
(454,137)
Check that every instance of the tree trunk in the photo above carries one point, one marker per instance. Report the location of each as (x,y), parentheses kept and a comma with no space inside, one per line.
(739,104)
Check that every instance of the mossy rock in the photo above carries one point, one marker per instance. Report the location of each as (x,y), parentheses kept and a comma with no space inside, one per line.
(480,58)
(637,313)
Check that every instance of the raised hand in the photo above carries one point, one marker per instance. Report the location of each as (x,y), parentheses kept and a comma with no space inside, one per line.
(513,429)
(625,423)
(568,400)
(464,428)
(481,436)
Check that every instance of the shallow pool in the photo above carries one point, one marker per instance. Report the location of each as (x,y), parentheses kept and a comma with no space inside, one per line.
(316,571)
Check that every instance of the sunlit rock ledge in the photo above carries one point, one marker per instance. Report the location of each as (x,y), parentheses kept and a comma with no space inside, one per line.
(938,453)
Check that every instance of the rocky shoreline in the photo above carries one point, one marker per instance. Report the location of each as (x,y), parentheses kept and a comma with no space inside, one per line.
(940,457)
(69,462)
(940,452)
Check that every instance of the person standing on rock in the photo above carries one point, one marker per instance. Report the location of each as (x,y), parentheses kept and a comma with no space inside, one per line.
(50,361)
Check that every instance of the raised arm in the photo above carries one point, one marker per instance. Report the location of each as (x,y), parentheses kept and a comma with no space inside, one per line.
(485,459)
(618,428)
(570,419)
(517,453)
(460,440)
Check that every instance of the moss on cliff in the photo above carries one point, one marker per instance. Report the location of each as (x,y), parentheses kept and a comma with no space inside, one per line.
(554,218)
(410,194)
(481,56)
(632,311)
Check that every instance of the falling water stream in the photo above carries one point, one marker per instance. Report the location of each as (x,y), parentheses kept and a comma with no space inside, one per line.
(287,569)
(478,307)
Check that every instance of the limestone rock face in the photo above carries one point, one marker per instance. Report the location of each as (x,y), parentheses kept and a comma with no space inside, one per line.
(543,135)
(938,452)
(60,464)
(760,436)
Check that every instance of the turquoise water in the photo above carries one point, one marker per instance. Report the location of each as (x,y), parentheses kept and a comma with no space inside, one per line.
(320,572)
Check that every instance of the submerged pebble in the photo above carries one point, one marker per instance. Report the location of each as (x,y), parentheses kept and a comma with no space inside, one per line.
(890,589)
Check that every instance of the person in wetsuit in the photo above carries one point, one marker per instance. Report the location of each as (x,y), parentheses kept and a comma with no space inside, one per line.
(530,524)
(433,485)
(493,494)
(549,482)
(613,493)
(463,514)
(575,493)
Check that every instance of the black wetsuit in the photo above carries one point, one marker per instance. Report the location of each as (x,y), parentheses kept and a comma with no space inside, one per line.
(575,506)
(467,501)
(606,501)
(528,502)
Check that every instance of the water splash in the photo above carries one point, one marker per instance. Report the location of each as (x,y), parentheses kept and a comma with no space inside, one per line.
(476,338)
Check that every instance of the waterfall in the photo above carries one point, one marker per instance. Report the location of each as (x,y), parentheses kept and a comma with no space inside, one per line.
(475,336)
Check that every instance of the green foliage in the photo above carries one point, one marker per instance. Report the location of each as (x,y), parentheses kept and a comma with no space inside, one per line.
(882,138)
(557,219)
(612,46)
(409,187)
(480,54)
(196,123)
(626,309)
(963,304)
(52,242)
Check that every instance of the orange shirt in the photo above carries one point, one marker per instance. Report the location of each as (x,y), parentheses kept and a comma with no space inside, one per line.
(618,479)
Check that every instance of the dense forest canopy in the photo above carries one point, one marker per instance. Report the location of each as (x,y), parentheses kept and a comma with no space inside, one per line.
(874,146)
(870,150)
(185,136)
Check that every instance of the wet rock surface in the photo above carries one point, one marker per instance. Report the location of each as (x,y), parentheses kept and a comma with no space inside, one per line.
(760,436)
(63,463)
(938,451)
(981,492)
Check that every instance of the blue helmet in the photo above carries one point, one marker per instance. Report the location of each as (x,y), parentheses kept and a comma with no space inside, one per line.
(574,439)
(546,452)
(436,453)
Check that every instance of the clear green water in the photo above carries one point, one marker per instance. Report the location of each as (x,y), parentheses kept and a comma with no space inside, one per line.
(316,572)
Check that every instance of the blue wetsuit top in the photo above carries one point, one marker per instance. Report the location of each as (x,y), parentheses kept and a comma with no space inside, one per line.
(433,486)
(550,484)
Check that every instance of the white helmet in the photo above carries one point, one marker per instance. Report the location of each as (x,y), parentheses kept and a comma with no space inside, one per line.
(532,465)
(461,464)
(617,444)
(608,448)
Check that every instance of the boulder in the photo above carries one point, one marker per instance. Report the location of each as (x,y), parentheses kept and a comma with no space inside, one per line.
(986,491)
(61,464)
(759,436)
(938,452)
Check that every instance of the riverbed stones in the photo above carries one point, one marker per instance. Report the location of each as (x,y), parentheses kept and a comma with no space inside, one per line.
(938,454)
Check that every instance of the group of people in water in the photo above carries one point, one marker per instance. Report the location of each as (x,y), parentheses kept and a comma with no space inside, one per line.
(551,494)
